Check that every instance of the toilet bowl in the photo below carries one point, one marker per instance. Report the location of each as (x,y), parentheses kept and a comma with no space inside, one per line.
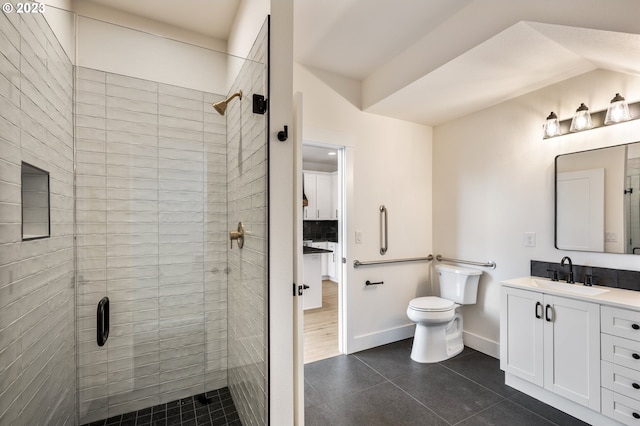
(438,334)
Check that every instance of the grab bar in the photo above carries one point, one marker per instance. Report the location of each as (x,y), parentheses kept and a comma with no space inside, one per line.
(384,233)
(490,264)
(357,263)
(103,321)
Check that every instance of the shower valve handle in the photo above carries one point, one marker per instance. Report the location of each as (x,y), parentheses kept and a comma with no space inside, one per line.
(237,235)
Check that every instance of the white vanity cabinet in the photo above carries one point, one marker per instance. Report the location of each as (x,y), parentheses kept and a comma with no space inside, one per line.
(621,364)
(552,342)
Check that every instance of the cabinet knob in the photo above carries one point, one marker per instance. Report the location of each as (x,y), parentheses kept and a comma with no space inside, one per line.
(636,415)
(635,385)
(635,356)
(635,326)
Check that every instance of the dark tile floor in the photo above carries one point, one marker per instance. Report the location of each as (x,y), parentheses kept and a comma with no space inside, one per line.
(383,386)
(192,411)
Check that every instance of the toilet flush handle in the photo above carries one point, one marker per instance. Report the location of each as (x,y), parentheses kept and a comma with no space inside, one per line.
(237,235)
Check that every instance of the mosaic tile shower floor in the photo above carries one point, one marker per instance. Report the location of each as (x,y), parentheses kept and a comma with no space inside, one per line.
(220,411)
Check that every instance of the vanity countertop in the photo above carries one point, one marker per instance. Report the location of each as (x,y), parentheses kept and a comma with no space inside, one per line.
(606,295)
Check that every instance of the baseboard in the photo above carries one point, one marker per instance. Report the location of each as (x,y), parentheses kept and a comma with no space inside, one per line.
(576,410)
(379,338)
(481,344)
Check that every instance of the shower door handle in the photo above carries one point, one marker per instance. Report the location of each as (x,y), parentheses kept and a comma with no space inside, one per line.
(103,321)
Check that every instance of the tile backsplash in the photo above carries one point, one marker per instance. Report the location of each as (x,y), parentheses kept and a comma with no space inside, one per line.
(320,230)
(618,278)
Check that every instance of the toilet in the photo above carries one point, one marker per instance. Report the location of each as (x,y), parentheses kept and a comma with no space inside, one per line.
(438,320)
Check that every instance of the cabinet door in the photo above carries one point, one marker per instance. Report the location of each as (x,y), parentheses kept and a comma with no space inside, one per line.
(572,349)
(311,211)
(521,334)
(323,257)
(324,204)
(331,261)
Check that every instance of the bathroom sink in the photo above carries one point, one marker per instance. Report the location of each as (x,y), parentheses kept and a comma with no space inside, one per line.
(570,288)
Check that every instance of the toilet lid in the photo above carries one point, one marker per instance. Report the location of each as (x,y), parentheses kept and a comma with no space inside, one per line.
(431,303)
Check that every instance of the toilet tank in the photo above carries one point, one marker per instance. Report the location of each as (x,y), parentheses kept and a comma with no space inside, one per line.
(457,284)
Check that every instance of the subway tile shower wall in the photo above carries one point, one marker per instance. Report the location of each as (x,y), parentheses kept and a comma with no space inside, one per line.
(37,362)
(618,278)
(247,202)
(320,230)
(151,219)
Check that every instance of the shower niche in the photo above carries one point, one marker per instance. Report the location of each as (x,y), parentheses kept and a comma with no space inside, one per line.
(36,215)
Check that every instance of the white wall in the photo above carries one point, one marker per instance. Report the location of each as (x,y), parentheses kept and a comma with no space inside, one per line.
(388,162)
(494,180)
(119,50)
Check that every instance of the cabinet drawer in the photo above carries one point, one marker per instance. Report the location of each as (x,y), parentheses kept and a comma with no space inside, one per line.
(620,351)
(620,322)
(621,380)
(620,408)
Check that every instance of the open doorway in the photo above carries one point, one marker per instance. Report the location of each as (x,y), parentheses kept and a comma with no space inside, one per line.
(323,224)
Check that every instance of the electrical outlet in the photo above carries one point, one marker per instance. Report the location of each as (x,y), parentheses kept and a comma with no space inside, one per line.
(610,237)
(529,239)
(358,237)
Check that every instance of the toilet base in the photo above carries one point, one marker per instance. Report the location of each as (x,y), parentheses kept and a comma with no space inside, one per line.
(437,342)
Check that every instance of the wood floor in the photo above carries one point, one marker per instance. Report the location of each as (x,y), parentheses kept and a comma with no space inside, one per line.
(321,326)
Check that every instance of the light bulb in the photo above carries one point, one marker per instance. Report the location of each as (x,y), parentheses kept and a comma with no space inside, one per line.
(618,110)
(582,119)
(551,126)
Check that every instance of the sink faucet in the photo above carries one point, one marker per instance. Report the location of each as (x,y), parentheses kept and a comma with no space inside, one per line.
(570,276)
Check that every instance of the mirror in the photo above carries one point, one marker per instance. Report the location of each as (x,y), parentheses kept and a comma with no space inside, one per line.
(597,206)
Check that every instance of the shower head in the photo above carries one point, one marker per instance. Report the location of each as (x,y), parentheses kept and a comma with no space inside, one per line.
(221,106)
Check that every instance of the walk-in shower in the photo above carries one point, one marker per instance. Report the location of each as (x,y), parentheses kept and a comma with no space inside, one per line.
(135,299)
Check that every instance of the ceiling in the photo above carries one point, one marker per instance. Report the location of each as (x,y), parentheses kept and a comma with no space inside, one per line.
(319,156)
(433,61)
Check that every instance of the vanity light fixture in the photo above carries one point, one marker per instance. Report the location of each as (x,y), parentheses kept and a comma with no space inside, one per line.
(618,110)
(551,126)
(581,119)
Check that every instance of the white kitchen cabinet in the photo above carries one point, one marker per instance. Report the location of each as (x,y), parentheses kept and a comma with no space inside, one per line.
(319,193)
(323,257)
(553,342)
(335,196)
(312,296)
(332,261)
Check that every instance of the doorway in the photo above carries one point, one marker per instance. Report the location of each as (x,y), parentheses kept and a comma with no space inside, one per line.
(323,225)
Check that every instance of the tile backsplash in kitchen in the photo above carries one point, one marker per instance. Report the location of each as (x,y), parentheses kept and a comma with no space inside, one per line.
(321,230)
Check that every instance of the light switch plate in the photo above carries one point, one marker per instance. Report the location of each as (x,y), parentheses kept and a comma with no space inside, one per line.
(529,239)
(358,237)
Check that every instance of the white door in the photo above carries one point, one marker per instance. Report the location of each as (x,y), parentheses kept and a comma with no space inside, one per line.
(580,210)
(298,308)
